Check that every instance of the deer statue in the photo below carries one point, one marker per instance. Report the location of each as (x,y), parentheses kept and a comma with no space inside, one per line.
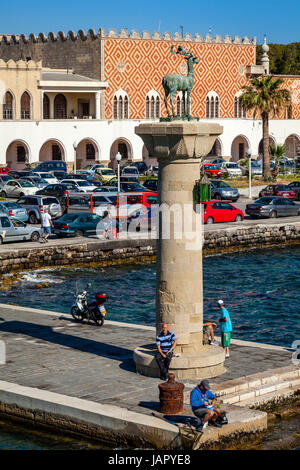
(173,83)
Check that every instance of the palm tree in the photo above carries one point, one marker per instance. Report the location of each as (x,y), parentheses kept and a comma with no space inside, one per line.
(265,97)
(277,153)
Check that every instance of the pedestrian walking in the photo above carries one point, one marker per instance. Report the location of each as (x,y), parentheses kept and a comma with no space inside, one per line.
(46,225)
(226,327)
(165,343)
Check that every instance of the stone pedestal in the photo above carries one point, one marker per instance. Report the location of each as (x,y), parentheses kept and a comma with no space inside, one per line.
(178,147)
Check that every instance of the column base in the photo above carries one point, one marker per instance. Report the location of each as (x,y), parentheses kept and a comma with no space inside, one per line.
(208,363)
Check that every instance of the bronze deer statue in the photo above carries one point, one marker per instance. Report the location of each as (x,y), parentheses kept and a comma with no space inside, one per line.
(173,83)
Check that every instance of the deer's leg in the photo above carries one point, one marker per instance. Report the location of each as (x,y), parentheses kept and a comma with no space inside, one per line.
(184,104)
(172,95)
(166,103)
(188,105)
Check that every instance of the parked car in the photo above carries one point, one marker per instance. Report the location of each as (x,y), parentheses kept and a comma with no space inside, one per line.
(151,184)
(221,211)
(4,179)
(17,188)
(51,165)
(104,174)
(15,230)
(84,176)
(130,172)
(146,198)
(272,207)
(78,224)
(4,170)
(140,166)
(278,190)
(48,177)
(107,189)
(36,181)
(19,174)
(59,175)
(131,187)
(14,210)
(297,162)
(36,205)
(231,168)
(92,168)
(222,191)
(256,169)
(152,171)
(295,186)
(82,185)
(211,169)
(214,161)
(59,190)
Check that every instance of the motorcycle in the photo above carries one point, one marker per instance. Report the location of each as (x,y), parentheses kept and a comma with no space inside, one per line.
(93,311)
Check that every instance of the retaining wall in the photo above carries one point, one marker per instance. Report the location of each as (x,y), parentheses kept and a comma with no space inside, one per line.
(142,251)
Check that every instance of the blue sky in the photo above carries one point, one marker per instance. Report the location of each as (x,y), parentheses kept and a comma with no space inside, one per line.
(278,19)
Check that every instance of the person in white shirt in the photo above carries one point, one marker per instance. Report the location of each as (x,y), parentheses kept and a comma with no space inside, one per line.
(46,224)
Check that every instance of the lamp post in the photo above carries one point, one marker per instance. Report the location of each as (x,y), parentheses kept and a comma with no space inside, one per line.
(249,153)
(118,158)
(75,148)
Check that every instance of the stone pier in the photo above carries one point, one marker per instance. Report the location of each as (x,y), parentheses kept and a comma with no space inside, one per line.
(178,147)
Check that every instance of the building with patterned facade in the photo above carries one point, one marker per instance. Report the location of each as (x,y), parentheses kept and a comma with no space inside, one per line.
(82,95)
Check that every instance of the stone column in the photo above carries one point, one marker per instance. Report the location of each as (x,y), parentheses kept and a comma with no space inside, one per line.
(97,104)
(178,147)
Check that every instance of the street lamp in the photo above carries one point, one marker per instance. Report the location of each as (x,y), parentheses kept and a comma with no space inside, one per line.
(249,153)
(75,148)
(118,158)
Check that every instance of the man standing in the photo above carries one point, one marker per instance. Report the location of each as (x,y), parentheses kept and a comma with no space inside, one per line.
(46,224)
(226,327)
(203,402)
(165,343)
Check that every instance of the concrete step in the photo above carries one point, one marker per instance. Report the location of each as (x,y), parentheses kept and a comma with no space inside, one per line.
(273,397)
(254,392)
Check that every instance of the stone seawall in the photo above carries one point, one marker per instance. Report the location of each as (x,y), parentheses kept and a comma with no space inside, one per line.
(120,252)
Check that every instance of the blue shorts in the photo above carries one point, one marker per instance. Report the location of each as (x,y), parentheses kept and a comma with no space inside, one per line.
(47,230)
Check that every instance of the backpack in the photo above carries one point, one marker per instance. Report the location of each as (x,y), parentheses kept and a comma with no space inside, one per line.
(222,418)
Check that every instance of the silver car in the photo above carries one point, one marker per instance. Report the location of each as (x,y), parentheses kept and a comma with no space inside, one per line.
(15,230)
(272,207)
(37,181)
(4,179)
(14,210)
(17,188)
(36,205)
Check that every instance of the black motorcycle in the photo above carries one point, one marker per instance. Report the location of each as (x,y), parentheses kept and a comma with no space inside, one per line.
(91,311)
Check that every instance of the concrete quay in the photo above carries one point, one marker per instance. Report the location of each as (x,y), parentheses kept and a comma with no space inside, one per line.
(81,378)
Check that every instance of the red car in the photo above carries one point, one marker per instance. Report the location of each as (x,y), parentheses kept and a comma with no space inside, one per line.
(282,190)
(221,211)
(211,169)
(4,170)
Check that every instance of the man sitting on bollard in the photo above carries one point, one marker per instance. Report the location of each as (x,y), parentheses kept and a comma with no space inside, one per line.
(203,402)
(165,343)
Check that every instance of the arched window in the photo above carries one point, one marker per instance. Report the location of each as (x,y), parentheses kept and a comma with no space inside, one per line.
(46,107)
(25,106)
(8,106)
(152,105)
(60,107)
(90,152)
(212,105)
(121,105)
(239,110)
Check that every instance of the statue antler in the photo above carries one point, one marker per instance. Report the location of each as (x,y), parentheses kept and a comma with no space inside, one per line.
(180,50)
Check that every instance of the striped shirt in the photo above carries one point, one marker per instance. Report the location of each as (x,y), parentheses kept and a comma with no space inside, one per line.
(165,341)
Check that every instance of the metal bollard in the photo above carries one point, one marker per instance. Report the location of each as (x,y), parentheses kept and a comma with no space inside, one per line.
(171,396)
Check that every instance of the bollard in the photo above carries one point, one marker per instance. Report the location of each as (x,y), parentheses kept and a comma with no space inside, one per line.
(171,396)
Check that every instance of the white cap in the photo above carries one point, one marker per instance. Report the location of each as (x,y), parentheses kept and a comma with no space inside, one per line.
(220,302)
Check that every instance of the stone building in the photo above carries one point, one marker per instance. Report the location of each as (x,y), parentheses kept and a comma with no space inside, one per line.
(83,94)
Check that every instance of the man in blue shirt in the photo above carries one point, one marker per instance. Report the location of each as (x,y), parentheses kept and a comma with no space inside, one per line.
(165,343)
(226,327)
(203,402)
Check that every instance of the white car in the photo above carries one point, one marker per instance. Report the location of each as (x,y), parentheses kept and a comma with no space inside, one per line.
(130,172)
(47,177)
(18,188)
(231,168)
(83,185)
(92,168)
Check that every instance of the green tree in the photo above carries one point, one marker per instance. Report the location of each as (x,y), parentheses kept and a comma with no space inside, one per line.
(265,97)
(277,153)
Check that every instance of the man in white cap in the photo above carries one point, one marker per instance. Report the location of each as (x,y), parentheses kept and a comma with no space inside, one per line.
(226,327)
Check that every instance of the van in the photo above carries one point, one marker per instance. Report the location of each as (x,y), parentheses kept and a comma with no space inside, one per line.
(52,165)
